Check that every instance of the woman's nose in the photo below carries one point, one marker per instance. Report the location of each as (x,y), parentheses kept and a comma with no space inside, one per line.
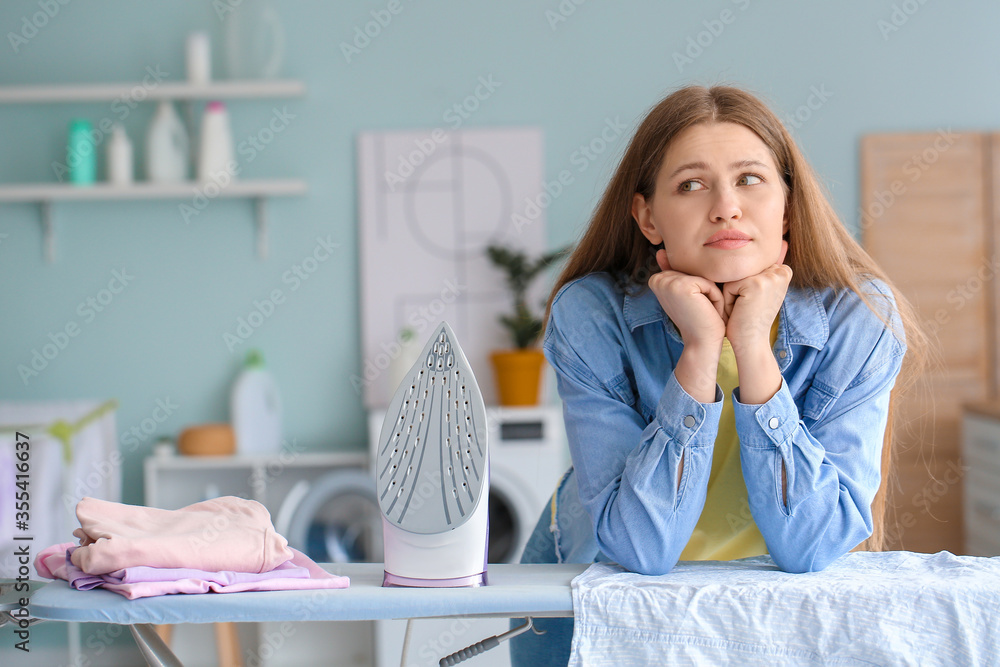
(725,206)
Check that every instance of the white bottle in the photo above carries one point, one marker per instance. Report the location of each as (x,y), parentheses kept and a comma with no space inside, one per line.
(199,59)
(255,409)
(166,146)
(409,351)
(119,157)
(216,162)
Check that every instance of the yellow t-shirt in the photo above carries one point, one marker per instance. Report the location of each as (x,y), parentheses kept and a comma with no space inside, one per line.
(726,529)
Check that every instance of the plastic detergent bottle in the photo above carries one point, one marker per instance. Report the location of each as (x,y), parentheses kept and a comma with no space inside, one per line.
(215,153)
(166,146)
(119,157)
(81,154)
(255,409)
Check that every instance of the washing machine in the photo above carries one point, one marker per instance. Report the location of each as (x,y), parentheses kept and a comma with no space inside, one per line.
(528,454)
(332,518)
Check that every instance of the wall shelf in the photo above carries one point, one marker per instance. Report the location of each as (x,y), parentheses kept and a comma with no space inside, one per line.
(100,92)
(38,192)
(46,193)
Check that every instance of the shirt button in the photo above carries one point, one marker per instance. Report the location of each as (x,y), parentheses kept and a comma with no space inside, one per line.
(773,422)
(782,354)
(689,421)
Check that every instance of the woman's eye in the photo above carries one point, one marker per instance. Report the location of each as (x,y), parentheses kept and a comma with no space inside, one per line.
(690,186)
(749,179)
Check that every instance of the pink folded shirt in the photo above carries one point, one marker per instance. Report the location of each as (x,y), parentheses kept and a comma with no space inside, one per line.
(222,534)
(298,573)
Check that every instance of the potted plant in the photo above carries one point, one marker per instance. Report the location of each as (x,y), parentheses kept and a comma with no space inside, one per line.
(519,370)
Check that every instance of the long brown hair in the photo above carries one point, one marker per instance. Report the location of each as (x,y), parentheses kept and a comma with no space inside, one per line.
(821,252)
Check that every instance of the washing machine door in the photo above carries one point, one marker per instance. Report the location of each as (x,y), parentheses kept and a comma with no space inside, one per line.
(514,510)
(335,519)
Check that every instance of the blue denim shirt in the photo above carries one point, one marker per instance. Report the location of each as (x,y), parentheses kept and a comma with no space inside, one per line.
(629,422)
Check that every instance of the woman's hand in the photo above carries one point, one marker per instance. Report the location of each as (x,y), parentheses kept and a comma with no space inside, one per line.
(695,305)
(750,306)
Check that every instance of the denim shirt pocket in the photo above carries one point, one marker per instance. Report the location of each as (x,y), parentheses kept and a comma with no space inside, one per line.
(624,390)
(818,399)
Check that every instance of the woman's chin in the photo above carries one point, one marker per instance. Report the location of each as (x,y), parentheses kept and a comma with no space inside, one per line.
(721,272)
(730,273)
(726,276)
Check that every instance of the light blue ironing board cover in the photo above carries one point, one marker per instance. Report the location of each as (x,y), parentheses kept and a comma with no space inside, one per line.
(536,590)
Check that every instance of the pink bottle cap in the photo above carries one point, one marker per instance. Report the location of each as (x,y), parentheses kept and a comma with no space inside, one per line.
(216,106)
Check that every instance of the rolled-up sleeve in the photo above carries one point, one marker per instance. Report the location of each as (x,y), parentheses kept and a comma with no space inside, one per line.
(628,469)
(831,464)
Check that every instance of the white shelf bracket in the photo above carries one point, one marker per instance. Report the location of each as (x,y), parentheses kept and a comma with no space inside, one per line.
(48,233)
(260,216)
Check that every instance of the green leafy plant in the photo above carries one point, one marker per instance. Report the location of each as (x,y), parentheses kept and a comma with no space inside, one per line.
(524,325)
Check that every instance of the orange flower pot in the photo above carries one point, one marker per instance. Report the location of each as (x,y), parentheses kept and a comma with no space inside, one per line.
(518,375)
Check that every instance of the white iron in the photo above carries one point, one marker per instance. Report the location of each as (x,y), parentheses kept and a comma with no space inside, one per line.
(432,471)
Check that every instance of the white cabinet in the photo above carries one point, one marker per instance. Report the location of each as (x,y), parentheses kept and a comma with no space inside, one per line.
(981,455)
(175,481)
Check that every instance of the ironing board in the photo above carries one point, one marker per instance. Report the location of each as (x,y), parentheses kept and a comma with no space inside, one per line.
(513,591)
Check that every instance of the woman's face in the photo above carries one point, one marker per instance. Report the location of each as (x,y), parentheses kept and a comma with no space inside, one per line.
(719,205)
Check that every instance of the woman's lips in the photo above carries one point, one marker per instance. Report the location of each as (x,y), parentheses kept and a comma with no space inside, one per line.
(728,239)
(728,244)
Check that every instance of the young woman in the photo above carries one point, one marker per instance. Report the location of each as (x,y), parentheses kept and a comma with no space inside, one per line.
(725,353)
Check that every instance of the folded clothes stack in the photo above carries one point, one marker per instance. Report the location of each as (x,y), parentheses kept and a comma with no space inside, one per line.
(224,545)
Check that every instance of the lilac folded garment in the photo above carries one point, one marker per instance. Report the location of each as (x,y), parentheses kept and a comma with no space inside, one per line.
(142,574)
(298,573)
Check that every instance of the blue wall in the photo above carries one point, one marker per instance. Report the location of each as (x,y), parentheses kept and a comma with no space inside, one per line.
(162,337)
